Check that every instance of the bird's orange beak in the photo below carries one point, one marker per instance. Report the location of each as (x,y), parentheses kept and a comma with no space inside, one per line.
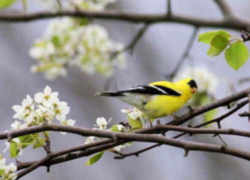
(194,90)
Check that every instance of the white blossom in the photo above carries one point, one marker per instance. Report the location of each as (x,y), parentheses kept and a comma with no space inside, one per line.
(47,97)
(54,72)
(90,139)
(8,171)
(93,5)
(102,123)
(69,43)
(24,111)
(206,80)
(122,146)
(41,49)
(69,122)
(133,113)
(51,5)
(45,114)
(61,110)
(120,127)
(44,108)
(18,125)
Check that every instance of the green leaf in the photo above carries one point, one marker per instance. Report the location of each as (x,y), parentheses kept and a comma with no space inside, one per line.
(212,51)
(208,116)
(207,37)
(38,142)
(135,123)
(94,159)
(1,172)
(83,21)
(237,55)
(56,40)
(114,128)
(6,3)
(13,149)
(220,42)
(26,140)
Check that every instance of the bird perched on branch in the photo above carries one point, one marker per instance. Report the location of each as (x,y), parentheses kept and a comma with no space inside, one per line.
(157,99)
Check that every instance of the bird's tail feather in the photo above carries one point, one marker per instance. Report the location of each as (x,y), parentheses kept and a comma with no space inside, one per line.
(110,94)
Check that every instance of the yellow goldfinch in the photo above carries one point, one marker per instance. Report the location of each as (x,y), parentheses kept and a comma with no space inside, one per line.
(157,99)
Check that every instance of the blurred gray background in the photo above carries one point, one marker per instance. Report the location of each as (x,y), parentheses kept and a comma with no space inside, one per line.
(154,56)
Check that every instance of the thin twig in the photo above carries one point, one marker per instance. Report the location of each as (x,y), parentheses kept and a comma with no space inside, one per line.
(244,80)
(59,4)
(239,106)
(222,117)
(24,4)
(249,107)
(130,47)
(225,9)
(216,104)
(185,54)
(137,37)
(169,8)
(244,114)
(33,167)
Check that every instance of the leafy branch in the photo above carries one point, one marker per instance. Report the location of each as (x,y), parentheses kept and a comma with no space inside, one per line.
(141,135)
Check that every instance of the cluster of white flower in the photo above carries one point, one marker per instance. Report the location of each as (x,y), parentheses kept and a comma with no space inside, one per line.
(102,124)
(43,108)
(136,118)
(92,5)
(77,42)
(133,113)
(51,5)
(67,42)
(206,80)
(7,172)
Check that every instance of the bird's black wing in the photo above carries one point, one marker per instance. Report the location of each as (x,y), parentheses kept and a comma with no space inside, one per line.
(144,89)
(152,90)
(168,91)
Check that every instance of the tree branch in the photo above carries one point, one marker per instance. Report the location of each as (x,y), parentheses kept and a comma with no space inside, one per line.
(225,9)
(169,8)
(186,145)
(219,103)
(106,144)
(137,153)
(235,23)
(33,167)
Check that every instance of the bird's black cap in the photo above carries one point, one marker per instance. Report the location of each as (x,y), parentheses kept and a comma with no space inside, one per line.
(192,84)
